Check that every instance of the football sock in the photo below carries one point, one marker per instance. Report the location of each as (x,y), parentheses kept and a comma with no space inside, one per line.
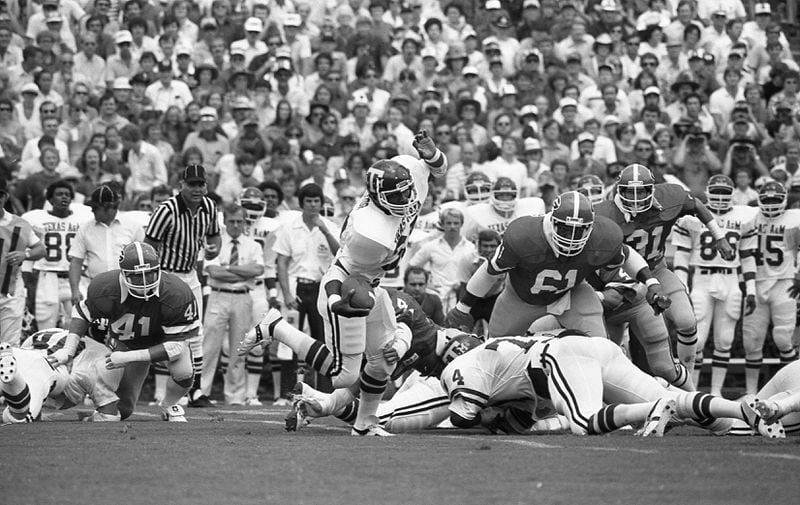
(789,403)
(173,393)
(18,399)
(719,369)
(788,356)
(161,375)
(613,417)
(348,415)
(682,379)
(313,352)
(371,393)
(686,348)
(752,370)
(253,365)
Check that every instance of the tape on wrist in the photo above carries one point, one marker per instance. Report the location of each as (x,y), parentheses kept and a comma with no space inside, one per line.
(273,292)
(651,282)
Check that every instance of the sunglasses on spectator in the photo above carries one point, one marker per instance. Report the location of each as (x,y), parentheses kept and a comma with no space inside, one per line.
(67,62)
(643,149)
(649,64)
(293,135)
(48,111)
(5,108)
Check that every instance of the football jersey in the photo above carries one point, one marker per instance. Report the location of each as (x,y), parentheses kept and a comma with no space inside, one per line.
(502,369)
(16,234)
(647,233)
(421,355)
(50,340)
(138,323)
(538,276)
(56,234)
(483,216)
(373,242)
(738,225)
(263,232)
(778,243)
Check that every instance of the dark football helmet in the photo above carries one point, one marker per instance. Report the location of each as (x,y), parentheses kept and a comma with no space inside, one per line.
(141,271)
(635,188)
(572,219)
(391,188)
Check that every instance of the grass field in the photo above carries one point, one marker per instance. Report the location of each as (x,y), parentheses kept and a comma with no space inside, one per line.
(243,456)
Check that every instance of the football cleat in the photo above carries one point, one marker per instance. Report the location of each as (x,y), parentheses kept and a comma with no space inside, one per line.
(141,270)
(751,415)
(253,402)
(635,188)
(719,193)
(174,414)
(768,411)
(477,188)
(297,418)
(772,199)
(8,363)
(657,419)
(504,195)
(100,417)
(281,402)
(260,333)
(571,220)
(391,188)
(373,429)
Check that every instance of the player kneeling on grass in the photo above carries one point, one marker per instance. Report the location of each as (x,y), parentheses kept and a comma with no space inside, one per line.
(150,316)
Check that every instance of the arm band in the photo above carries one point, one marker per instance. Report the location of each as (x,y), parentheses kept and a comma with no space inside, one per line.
(272,292)
(715,230)
(652,281)
(635,266)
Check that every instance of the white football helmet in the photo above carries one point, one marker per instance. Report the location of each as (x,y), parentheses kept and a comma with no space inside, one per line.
(772,198)
(719,192)
(478,188)
(254,205)
(504,195)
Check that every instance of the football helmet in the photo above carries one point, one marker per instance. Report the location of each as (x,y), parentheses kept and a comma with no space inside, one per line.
(391,188)
(772,199)
(591,186)
(478,187)
(504,195)
(635,188)
(254,205)
(719,192)
(572,219)
(140,270)
(458,344)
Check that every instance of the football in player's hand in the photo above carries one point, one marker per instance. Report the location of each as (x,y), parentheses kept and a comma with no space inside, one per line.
(363,297)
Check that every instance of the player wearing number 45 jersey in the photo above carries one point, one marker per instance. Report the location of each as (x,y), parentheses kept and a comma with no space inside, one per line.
(777,281)
(150,316)
(646,212)
(547,259)
(56,228)
(715,284)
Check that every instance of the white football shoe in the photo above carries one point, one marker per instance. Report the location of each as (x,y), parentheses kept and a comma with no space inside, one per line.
(99,417)
(304,407)
(769,430)
(768,411)
(8,363)
(657,419)
(371,430)
(260,333)
(253,402)
(174,414)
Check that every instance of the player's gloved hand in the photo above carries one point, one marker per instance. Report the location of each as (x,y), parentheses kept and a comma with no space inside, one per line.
(425,146)
(657,299)
(343,308)
(59,357)
(274,303)
(117,359)
(794,290)
(725,249)
(459,319)
(749,304)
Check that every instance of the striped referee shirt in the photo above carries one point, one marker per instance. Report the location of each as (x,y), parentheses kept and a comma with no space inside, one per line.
(181,233)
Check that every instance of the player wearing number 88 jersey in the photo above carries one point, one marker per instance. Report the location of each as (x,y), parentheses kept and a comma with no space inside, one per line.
(778,233)
(547,259)
(716,295)
(56,228)
(150,315)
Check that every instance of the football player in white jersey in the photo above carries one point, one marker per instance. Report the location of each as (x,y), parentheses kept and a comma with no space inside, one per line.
(592,186)
(588,380)
(56,228)
(373,242)
(778,233)
(477,189)
(779,399)
(716,296)
(503,207)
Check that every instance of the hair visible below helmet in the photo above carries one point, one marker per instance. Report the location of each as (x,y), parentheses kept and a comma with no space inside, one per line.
(458,344)
(504,195)
(635,188)
(140,269)
(591,186)
(572,218)
(253,202)
(772,198)
(478,187)
(719,192)
(391,188)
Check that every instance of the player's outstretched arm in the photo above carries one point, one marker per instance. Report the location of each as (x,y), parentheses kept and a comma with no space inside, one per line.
(636,267)
(168,351)
(477,288)
(430,154)
(78,326)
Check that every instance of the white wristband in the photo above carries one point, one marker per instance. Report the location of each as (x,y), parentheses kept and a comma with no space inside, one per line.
(652,281)
(333,299)
(715,230)
(463,308)
(272,293)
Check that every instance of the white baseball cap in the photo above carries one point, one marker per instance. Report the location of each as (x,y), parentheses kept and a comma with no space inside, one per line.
(253,25)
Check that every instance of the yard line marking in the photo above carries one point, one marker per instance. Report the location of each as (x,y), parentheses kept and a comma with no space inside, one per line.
(541,445)
(769,455)
(233,420)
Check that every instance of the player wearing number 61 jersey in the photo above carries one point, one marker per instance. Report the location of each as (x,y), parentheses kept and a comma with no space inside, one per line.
(646,213)
(778,234)
(56,228)
(547,259)
(150,315)
(716,295)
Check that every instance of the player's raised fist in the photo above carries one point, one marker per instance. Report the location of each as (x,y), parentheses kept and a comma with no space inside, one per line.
(424,145)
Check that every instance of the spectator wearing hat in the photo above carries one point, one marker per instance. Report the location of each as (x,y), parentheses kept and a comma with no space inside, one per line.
(736,61)
(95,248)
(359,122)
(251,45)
(585,163)
(69,12)
(144,160)
(724,45)
(468,110)
(121,64)
(377,98)
(91,64)
(731,9)
(407,58)
(298,42)
(473,87)
(755,31)
(211,142)
(167,91)
(715,29)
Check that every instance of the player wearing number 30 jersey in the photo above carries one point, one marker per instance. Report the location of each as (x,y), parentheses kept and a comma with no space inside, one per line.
(646,212)
(547,259)
(150,315)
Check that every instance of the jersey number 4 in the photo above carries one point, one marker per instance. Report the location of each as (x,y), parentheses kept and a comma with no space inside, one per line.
(554,280)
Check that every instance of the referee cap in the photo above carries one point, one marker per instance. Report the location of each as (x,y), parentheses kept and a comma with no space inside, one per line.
(194,173)
(101,196)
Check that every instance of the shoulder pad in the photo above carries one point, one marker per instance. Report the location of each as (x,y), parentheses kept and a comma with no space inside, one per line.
(173,292)
(605,241)
(374,225)
(671,198)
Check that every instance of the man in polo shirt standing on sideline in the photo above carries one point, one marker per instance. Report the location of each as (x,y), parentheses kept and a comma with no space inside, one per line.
(177,230)
(231,276)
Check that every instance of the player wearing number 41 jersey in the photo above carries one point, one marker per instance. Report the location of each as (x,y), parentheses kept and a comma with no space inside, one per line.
(777,280)
(646,213)
(56,228)
(716,295)
(547,259)
(150,315)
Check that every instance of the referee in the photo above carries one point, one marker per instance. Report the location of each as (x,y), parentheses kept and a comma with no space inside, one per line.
(177,230)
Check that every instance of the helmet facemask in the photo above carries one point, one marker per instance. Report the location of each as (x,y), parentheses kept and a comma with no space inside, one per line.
(635,197)
(570,235)
(142,282)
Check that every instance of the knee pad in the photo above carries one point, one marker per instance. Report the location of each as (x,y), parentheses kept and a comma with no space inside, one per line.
(181,372)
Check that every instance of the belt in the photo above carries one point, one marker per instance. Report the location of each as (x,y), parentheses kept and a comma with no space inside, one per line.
(242,291)
(714,270)
(301,280)
(60,275)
